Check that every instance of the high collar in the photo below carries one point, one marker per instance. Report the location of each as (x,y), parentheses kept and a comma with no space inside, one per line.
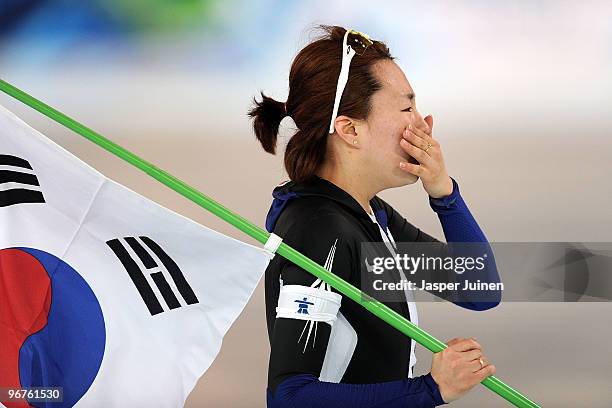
(320,187)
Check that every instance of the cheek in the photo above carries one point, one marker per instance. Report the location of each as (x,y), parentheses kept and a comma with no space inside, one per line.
(386,131)
(391,137)
(389,128)
(385,146)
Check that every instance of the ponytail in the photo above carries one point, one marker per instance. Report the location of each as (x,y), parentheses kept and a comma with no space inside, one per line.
(267,116)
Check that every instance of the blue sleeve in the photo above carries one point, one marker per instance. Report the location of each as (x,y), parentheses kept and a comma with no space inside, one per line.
(457,221)
(306,391)
(459,225)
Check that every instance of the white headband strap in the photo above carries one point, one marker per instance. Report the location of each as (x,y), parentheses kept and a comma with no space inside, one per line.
(347,55)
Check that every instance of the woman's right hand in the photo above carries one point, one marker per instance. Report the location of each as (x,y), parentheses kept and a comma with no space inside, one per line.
(457,368)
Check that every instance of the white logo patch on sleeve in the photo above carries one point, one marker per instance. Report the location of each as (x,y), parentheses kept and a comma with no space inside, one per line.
(307,303)
(315,303)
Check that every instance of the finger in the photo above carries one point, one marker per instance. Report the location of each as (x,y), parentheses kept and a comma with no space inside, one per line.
(428,138)
(435,146)
(411,168)
(418,154)
(418,141)
(467,344)
(428,145)
(485,372)
(472,355)
(454,340)
(475,365)
(429,121)
(419,132)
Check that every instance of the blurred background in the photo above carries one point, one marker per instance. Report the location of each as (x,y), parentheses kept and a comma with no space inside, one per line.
(521,96)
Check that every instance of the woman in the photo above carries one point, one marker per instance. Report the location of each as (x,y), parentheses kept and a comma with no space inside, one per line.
(359,133)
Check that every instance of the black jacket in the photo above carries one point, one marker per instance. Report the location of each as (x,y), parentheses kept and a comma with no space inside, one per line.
(312,219)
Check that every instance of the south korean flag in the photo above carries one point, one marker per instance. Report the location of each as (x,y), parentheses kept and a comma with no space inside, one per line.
(104,294)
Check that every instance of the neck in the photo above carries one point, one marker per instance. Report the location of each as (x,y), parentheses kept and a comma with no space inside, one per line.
(352,182)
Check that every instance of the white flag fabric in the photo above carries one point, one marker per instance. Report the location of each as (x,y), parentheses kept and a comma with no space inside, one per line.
(119,301)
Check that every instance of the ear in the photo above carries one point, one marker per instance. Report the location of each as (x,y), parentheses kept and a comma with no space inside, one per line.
(345,129)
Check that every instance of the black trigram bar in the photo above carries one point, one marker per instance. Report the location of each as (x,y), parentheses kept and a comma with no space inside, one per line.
(18,195)
(165,290)
(140,281)
(175,272)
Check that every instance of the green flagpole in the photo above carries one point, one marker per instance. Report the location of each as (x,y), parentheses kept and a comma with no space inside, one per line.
(378,309)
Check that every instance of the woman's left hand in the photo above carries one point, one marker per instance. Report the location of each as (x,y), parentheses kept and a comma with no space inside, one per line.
(426,150)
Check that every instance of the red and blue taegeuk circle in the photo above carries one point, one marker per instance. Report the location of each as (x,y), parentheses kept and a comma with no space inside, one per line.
(51,326)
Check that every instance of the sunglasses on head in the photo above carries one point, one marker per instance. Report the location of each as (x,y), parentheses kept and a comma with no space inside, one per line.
(353,43)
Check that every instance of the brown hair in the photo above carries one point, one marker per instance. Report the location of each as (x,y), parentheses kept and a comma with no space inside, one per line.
(312,89)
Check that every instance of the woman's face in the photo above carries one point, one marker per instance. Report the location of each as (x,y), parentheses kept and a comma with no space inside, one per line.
(393,109)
